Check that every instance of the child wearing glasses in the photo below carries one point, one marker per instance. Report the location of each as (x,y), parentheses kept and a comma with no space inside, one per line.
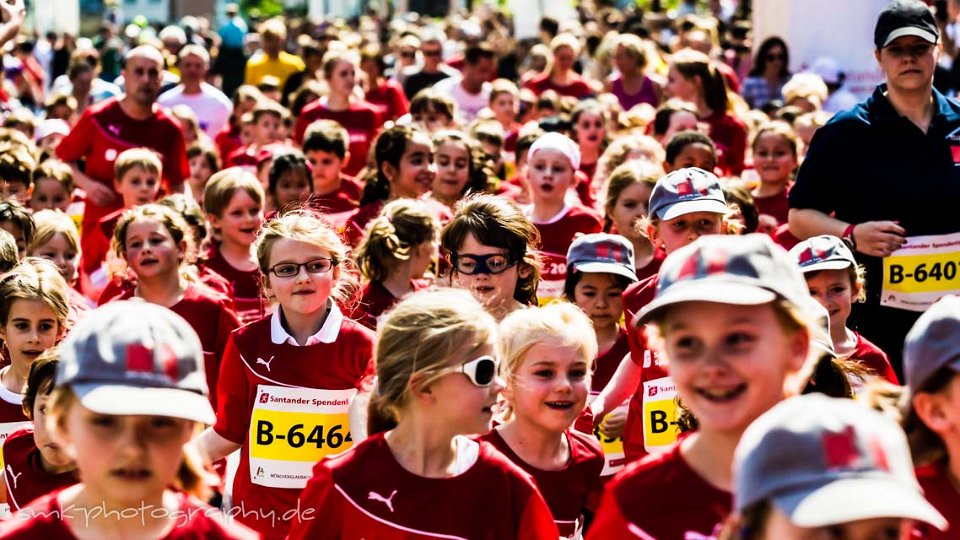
(154,241)
(286,380)
(393,257)
(418,475)
(491,246)
(547,354)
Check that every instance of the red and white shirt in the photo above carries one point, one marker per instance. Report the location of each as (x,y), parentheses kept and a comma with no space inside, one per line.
(375,299)
(365,493)
(25,477)
(340,360)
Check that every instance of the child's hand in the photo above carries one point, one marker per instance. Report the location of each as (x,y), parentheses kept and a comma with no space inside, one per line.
(879,238)
(612,424)
(12,10)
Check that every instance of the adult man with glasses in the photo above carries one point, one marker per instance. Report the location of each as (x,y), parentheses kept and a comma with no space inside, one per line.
(433,69)
(885,177)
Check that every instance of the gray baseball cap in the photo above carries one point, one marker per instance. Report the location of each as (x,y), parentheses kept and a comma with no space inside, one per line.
(684,191)
(132,357)
(740,270)
(824,252)
(932,343)
(602,253)
(825,461)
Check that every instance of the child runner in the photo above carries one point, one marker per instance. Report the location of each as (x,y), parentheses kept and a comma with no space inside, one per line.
(599,269)
(590,136)
(284,422)
(505,106)
(8,252)
(52,187)
(734,320)
(460,168)
(326,146)
(685,204)
(775,148)
(289,183)
(432,111)
(129,394)
(204,162)
(17,220)
(396,251)
(233,201)
(627,194)
(820,467)
(835,280)
(491,246)
(57,240)
(552,161)
(36,464)
(436,382)
(690,149)
(547,354)
(930,366)
(155,242)
(267,118)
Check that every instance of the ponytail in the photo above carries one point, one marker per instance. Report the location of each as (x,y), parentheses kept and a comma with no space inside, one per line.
(382,414)
(403,225)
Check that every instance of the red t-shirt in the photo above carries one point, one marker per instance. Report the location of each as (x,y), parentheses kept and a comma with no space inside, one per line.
(26,479)
(47,519)
(660,497)
(555,239)
(577,87)
(104,131)
(875,359)
(360,120)
(248,364)
(242,156)
(120,284)
(95,242)
(608,361)
(389,100)
(568,490)
(247,298)
(784,238)
(365,493)
(775,205)
(941,493)
(375,299)
(345,199)
(730,136)
(653,267)
(228,140)
(212,316)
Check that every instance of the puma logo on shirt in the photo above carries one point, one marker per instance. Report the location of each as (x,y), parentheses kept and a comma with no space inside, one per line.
(373,496)
(14,476)
(265,362)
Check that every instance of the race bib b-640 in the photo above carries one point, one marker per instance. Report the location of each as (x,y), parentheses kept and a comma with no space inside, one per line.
(921,272)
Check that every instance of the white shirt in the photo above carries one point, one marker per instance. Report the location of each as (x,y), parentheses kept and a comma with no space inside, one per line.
(327,333)
(211,106)
(468,104)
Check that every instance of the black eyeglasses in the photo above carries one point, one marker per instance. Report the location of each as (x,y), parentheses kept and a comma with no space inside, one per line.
(494,263)
(314,266)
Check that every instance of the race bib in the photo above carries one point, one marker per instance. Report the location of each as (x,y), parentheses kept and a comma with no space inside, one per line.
(659,414)
(613,456)
(291,429)
(921,272)
(553,274)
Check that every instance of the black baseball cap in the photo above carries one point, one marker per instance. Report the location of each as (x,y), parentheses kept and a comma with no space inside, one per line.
(905,18)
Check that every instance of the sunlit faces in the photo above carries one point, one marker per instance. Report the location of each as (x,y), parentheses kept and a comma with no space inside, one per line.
(675,233)
(59,251)
(304,294)
(550,386)
(325,170)
(453,171)
(200,171)
(31,328)
(729,362)
(14,190)
(241,219)
(590,130)
(695,155)
(563,59)
(600,296)
(142,79)
(550,175)
(266,129)
(54,458)
(293,187)
(779,527)
(630,206)
(624,59)
(462,406)
(908,63)
(774,158)
(18,237)
(151,251)
(416,171)
(681,87)
(835,292)
(343,78)
(433,121)
(505,107)
(123,459)
(138,186)
(494,291)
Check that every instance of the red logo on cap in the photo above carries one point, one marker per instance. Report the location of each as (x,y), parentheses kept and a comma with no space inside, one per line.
(811,254)
(879,454)
(689,187)
(840,449)
(169,360)
(139,358)
(703,264)
(608,251)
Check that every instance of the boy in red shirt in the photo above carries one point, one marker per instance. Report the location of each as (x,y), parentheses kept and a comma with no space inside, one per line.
(327,148)
(267,120)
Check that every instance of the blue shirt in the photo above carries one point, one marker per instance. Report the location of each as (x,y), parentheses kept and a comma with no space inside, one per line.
(232,32)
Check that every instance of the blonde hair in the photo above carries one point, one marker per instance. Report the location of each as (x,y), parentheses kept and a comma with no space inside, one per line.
(565,40)
(425,333)
(191,478)
(49,224)
(223,184)
(307,227)
(141,158)
(561,324)
(274,27)
(402,225)
(178,228)
(34,279)
(807,86)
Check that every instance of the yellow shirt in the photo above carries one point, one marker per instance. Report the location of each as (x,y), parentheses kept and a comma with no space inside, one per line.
(261,65)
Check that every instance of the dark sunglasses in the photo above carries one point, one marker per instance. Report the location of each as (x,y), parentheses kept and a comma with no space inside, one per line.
(494,263)
(430,53)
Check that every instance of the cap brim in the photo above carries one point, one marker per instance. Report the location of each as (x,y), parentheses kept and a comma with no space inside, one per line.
(836,264)
(706,290)
(140,400)
(855,499)
(605,268)
(910,31)
(688,207)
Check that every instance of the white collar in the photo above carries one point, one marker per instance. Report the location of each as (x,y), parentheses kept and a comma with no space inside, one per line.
(328,333)
(557,217)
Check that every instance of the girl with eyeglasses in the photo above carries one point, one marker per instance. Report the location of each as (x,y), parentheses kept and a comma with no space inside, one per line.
(286,380)
(547,353)
(155,243)
(491,246)
(418,475)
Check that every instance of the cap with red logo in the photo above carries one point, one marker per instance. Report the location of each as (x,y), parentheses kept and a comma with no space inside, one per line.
(826,461)
(740,270)
(684,191)
(824,252)
(132,357)
(602,253)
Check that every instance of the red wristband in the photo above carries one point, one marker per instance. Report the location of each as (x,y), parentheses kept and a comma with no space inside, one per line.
(848,232)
